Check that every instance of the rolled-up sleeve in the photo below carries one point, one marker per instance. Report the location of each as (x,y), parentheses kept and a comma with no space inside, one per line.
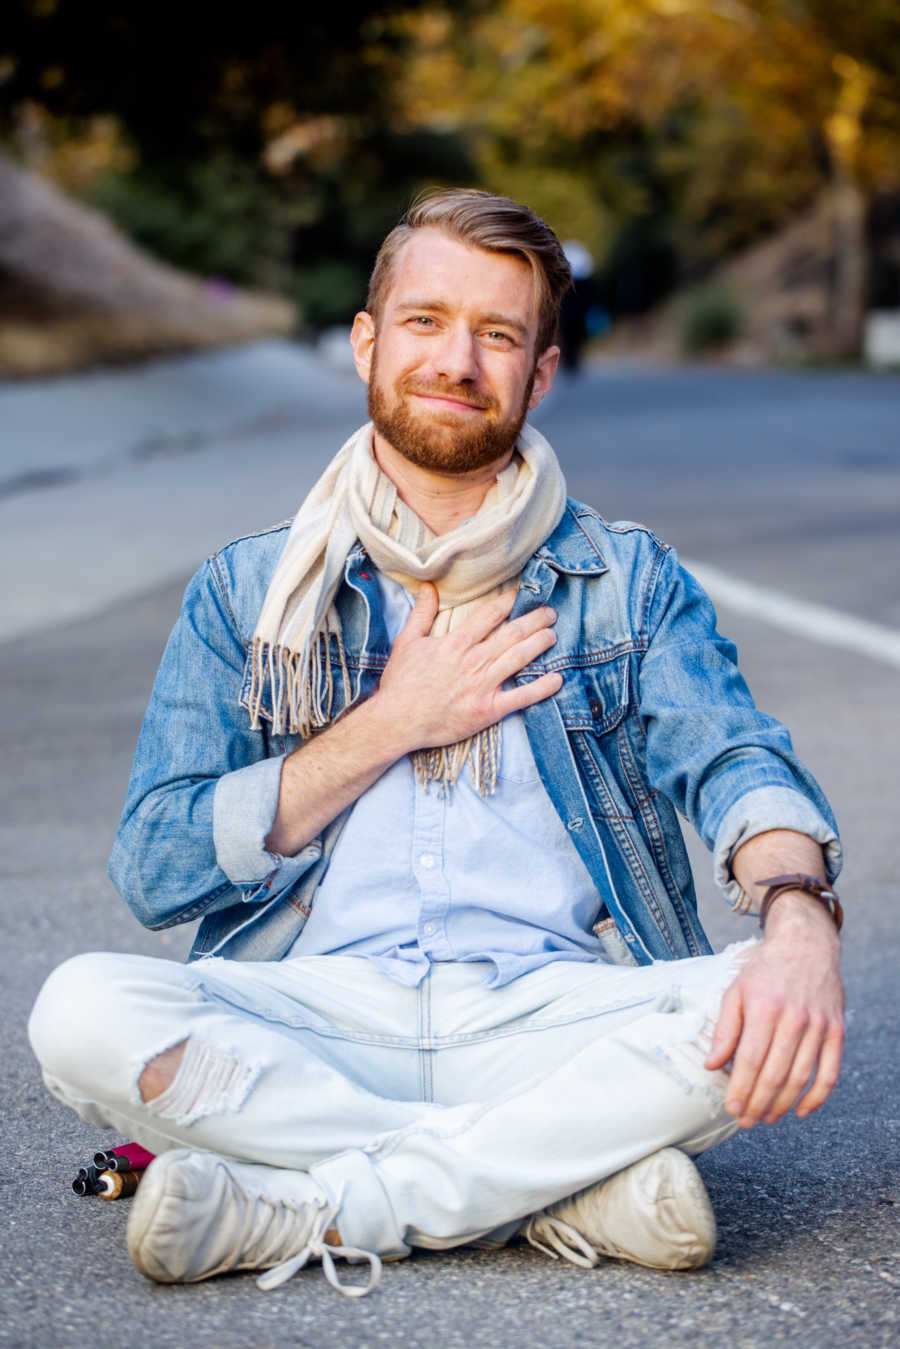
(756,813)
(244,806)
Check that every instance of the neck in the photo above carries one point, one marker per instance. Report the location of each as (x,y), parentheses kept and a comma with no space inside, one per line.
(442,501)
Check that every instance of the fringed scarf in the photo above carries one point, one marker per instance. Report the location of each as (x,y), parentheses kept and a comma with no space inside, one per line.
(353,500)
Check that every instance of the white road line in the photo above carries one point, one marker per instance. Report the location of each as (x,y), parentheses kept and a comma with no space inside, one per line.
(815,621)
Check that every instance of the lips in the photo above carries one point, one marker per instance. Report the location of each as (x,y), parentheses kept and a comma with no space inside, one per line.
(449,396)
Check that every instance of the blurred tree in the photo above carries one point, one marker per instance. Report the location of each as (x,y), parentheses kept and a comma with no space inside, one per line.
(182,77)
(251,146)
(677,129)
(663,133)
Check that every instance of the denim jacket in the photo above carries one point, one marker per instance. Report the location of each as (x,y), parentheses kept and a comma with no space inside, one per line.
(652,718)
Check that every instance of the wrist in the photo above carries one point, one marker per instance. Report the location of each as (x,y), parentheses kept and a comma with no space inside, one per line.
(818,889)
(797,914)
(387,732)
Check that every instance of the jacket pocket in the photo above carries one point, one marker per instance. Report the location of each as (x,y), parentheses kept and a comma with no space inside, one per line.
(596,739)
(607,689)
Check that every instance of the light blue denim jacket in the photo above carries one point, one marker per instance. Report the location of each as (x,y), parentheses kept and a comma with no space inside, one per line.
(653,717)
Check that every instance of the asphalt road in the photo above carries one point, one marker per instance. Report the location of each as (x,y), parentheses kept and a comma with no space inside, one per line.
(790,481)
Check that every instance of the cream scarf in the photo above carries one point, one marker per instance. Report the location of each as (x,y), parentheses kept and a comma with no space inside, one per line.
(353,500)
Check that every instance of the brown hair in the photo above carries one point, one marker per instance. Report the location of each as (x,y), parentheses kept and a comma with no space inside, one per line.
(496,224)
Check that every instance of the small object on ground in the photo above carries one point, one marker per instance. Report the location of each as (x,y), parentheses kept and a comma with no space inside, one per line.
(126,1157)
(118,1185)
(87,1180)
(128,1160)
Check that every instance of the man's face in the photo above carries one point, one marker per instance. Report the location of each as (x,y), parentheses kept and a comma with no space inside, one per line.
(451,366)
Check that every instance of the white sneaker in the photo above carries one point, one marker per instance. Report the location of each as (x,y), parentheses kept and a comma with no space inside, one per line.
(656,1213)
(195,1215)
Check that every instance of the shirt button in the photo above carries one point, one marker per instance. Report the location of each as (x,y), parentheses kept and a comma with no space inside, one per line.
(429,929)
(427,860)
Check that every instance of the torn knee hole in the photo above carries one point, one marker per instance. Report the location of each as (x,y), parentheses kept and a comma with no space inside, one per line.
(160,1071)
(195,1078)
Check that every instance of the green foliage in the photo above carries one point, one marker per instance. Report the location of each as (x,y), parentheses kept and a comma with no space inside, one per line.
(182,77)
(665,134)
(329,292)
(311,234)
(217,217)
(709,317)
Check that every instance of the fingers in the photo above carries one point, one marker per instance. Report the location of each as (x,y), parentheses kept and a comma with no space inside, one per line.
(750,1055)
(779,1076)
(796,1073)
(776,1057)
(505,635)
(526,695)
(423,613)
(516,657)
(728,1030)
(827,1076)
(487,617)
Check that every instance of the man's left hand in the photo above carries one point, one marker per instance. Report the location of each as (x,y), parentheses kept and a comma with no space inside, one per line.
(782,1020)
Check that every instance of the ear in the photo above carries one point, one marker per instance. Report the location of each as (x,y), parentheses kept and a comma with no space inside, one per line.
(362,340)
(544,370)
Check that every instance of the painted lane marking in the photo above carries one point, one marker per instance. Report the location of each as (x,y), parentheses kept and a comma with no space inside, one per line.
(818,622)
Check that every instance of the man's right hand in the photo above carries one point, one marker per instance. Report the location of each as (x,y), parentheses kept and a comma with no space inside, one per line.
(445,689)
(434,691)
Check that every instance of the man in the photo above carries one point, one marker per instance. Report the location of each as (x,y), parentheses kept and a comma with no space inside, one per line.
(415,763)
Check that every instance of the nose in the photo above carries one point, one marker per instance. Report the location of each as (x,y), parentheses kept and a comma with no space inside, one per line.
(457,357)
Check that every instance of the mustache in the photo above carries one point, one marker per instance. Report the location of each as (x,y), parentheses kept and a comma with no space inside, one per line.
(459,391)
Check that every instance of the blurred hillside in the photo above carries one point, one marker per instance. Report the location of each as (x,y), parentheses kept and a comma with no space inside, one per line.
(744,154)
(74,292)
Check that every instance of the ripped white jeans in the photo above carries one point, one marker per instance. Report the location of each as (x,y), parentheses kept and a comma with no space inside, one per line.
(444,1113)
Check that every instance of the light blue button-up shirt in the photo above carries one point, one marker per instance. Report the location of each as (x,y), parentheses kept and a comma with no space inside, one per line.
(420,876)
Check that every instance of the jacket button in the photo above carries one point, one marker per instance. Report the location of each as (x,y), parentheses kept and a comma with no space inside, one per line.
(596,707)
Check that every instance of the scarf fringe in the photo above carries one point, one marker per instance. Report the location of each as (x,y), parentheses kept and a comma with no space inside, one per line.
(444,765)
(301,683)
(302,687)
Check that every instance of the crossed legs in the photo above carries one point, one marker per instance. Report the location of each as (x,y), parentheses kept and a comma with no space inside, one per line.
(435,1131)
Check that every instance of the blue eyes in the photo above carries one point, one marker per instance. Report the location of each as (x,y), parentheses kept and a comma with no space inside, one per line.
(492,334)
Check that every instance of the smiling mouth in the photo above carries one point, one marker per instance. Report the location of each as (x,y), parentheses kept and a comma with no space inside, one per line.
(448,399)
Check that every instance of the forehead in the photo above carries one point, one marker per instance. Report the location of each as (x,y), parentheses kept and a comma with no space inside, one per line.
(432,265)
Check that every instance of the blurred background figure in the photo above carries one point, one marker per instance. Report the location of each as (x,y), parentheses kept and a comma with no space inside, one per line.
(573,313)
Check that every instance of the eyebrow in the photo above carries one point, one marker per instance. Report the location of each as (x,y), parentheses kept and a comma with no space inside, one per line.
(438,307)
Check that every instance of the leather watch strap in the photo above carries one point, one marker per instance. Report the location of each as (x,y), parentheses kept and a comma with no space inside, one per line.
(810,885)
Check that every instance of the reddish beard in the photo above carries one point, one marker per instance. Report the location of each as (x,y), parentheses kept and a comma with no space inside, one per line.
(441,440)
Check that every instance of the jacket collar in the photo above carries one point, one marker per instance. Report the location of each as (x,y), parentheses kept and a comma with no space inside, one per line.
(572,547)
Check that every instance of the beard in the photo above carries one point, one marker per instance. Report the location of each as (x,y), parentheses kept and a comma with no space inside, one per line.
(441,440)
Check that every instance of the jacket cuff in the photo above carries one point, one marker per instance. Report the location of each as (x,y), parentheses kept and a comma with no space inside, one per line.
(757,812)
(244,806)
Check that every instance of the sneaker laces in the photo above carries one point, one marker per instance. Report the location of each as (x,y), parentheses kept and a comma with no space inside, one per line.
(559,1239)
(316,1246)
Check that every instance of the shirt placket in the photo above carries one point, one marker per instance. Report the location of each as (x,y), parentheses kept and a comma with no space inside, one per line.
(429,869)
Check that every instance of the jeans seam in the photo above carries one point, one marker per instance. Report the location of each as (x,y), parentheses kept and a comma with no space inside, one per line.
(424,1040)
